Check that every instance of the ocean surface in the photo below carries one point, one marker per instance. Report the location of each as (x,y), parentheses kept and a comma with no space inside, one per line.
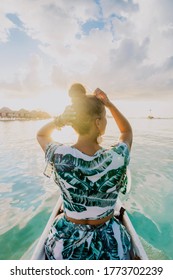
(27,197)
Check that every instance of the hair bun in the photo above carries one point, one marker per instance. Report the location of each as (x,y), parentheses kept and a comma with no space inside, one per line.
(77,91)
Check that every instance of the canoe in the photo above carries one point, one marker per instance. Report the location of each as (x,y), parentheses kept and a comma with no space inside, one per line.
(138,250)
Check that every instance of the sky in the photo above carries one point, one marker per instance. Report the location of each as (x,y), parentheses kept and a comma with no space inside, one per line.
(124,47)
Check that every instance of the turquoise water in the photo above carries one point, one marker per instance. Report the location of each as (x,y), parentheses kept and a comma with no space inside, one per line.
(27,197)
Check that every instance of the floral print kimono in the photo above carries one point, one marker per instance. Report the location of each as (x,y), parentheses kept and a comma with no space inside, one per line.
(89,188)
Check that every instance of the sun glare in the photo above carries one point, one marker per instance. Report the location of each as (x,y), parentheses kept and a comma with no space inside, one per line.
(53,103)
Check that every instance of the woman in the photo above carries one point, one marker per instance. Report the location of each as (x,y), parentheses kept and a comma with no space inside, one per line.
(90,178)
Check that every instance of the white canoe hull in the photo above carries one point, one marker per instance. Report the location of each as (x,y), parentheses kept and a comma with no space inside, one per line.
(137,245)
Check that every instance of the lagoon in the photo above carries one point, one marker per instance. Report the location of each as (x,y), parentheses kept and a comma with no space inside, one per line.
(27,197)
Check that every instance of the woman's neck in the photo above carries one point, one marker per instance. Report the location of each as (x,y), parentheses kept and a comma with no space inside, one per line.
(87,144)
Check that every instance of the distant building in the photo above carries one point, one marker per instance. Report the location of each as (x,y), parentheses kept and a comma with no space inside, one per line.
(22,113)
(7,113)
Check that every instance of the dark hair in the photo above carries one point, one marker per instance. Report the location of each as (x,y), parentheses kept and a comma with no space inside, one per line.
(86,106)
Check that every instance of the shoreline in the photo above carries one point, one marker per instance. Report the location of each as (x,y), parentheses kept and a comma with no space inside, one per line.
(39,119)
(22,119)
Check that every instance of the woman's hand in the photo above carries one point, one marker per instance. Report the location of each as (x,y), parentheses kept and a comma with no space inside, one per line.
(101,95)
(68,116)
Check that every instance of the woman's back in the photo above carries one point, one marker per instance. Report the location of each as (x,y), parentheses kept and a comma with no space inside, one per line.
(89,184)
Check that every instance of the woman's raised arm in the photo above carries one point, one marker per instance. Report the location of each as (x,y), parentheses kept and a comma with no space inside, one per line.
(124,126)
(44,134)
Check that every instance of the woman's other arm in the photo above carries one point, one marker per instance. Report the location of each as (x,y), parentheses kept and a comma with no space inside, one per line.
(44,134)
(126,134)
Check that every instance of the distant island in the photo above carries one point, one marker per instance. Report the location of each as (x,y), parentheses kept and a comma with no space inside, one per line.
(22,114)
(150,116)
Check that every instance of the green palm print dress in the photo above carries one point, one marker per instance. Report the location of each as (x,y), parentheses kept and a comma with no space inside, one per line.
(89,188)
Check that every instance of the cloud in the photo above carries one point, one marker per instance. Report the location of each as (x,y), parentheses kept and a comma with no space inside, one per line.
(120,8)
(155,22)
(27,82)
(58,77)
(5,27)
(127,53)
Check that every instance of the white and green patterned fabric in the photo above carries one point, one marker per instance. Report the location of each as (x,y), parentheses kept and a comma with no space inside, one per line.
(89,187)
